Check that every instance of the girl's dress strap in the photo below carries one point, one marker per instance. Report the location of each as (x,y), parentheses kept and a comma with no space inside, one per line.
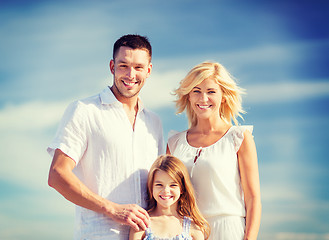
(186,225)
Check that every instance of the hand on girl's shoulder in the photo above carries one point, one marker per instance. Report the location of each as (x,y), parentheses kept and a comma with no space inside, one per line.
(136,235)
(196,232)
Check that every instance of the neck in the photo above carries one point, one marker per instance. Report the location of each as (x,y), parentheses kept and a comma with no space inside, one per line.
(128,102)
(170,211)
(209,125)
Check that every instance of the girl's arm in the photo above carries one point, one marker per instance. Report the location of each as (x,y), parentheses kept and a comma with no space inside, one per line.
(196,232)
(136,235)
(247,157)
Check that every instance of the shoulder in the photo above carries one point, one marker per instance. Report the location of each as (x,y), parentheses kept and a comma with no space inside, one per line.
(136,235)
(173,134)
(174,138)
(196,232)
(239,134)
(239,130)
(83,104)
(151,116)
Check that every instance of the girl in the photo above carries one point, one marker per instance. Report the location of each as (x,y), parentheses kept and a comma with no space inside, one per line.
(221,158)
(171,203)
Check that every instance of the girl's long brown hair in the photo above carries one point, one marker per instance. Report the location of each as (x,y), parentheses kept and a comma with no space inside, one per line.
(187,205)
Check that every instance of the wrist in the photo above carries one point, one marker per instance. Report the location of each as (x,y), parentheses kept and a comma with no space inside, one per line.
(107,208)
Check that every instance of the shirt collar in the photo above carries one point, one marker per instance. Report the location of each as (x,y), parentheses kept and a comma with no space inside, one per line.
(107,97)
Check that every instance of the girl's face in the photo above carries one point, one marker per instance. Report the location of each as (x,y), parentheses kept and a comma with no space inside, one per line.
(206,99)
(166,190)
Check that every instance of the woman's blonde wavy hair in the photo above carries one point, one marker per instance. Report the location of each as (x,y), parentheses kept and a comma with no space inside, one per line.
(187,205)
(230,109)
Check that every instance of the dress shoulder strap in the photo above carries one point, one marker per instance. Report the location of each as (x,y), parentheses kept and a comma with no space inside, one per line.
(148,234)
(186,225)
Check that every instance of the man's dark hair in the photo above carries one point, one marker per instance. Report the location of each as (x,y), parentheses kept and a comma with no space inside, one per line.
(133,41)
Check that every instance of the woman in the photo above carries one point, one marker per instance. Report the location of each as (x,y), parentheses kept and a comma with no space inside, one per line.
(220,157)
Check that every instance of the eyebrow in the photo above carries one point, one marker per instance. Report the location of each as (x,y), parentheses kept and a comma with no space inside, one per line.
(207,88)
(125,62)
(162,182)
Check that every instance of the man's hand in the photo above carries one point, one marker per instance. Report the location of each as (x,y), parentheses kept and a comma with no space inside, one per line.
(130,214)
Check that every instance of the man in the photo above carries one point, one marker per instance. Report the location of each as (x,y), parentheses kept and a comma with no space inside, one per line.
(104,147)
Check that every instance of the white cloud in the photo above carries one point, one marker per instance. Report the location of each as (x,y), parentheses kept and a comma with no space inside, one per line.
(286,91)
(30,116)
(158,88)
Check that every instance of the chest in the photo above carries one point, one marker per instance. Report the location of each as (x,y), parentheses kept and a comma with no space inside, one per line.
(203,140)
(220,159)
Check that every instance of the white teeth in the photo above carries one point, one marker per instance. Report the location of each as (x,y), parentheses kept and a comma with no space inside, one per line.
(165,197)
(204,107)
(129,83)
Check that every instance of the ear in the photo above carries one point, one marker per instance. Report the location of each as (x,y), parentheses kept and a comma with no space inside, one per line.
(223,99)
(149,70)
(112,66)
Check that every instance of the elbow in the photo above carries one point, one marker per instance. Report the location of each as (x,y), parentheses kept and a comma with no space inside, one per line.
(254,202)
(54,178)
(51,178)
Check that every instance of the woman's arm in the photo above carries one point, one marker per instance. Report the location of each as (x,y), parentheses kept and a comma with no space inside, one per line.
(247,157)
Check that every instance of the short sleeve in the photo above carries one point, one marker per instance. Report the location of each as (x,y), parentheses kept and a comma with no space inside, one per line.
(173,137)
(71,137)
(238,135)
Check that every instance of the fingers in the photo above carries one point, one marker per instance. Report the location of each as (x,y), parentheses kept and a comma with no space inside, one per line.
(132,215)
(141,219)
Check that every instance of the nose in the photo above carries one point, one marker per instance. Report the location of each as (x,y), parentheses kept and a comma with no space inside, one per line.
(166,189)
(203,97)
(131,73)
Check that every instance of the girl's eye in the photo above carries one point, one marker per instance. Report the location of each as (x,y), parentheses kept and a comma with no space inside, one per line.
(211,92)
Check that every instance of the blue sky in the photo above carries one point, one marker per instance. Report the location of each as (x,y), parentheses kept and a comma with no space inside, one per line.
(53,52)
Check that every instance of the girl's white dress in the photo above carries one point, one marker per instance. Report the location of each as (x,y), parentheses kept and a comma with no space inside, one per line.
(216,179)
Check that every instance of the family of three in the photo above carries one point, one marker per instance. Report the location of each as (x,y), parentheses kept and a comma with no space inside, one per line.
(110,159)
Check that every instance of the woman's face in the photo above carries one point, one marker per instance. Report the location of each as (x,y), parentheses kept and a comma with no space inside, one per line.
(206,99)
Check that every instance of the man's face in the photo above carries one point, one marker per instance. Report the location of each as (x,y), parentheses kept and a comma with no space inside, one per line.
(130,69)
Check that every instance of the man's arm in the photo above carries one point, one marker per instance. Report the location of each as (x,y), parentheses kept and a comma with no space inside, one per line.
(63,180)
